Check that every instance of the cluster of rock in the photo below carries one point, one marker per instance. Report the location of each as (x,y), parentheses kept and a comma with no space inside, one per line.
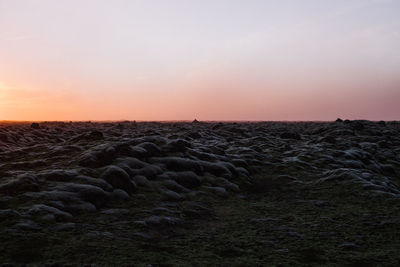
(52,172)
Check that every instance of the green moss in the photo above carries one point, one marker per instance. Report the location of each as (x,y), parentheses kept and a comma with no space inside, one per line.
(296,230)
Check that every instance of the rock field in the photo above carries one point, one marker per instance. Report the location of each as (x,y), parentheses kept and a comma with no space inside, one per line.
(200,193)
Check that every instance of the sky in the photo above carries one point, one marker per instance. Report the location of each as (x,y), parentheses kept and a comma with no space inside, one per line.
(210,59)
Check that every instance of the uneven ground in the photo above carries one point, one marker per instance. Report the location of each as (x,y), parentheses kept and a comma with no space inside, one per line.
(200,194)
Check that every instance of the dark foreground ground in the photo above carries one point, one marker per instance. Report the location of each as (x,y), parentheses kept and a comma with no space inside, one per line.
(200,194)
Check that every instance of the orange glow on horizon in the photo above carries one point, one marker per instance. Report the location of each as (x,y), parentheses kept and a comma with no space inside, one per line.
(206,99)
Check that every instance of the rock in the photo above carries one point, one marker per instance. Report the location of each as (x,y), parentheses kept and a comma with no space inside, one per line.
(240,163)
(71,201)
(97,234)
(227,184)
(219,191)
(172,196)
(356,153)
(140,196)
(140,223)
(131,172)
(381,123)
(143,236)
(118,178)
(141,180)
(90,193)
(354,164)
(58,175)
(119,194)
(150,171)
(282,250)
(202,155)
(330,139)
(384,193)
(369,147)
(65,227)
(290,135)
(294,234)
(49,218)
(371,186)
(388,169)
(242,172)
(95,135)
(137,152)
(41,209)
(179,164)
(348,246)
(164,210)
(217,169)
(194,135)
(195,194)
(56,195)
(23,183)
(94,181)
(98,156)
(28,225)
(341,175)
(187,179)
(151,149)
(80,207)
(178,145)
(162,221)
(9,214)
(117,212)
(357,125)
(173,185)
(193,209)
(273,183)
(35,125)
(132,163)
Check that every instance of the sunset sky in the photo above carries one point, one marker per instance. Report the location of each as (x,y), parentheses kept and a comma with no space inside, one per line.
(205,59)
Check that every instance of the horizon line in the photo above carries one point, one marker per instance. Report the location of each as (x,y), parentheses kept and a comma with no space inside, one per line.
(182,121)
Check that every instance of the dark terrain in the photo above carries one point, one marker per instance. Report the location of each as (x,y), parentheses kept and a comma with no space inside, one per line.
(200,194)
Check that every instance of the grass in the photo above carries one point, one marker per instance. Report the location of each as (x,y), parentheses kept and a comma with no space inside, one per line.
(295,232)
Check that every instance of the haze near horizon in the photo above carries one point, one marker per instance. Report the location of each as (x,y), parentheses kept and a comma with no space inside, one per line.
(210,60)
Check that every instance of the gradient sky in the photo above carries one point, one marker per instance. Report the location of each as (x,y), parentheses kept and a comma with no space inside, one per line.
(205,59)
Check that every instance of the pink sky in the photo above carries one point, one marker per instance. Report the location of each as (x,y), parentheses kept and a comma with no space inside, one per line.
(210,60)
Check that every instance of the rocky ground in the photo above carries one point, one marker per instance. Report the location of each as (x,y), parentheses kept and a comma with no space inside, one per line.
(200,194)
